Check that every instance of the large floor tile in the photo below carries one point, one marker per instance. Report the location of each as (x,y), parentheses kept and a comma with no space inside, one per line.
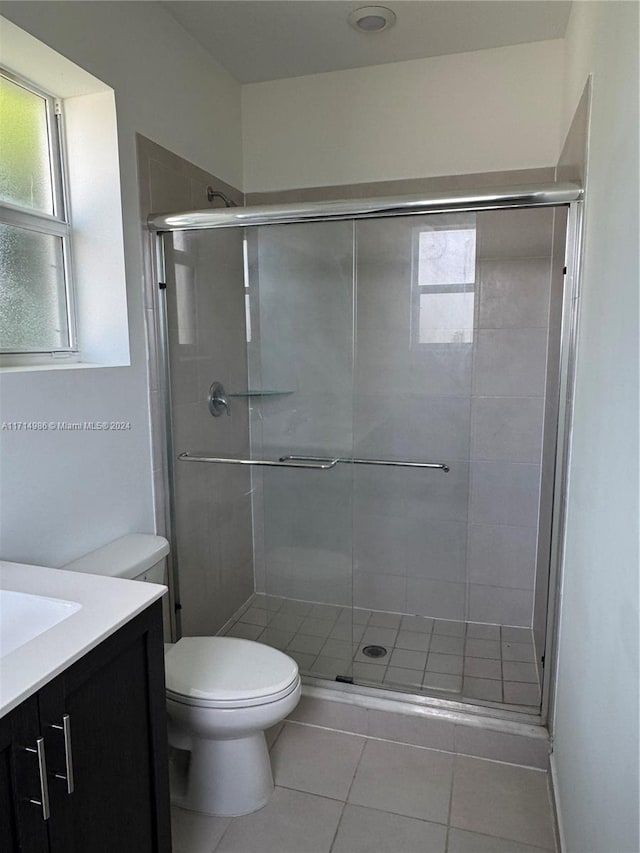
(461,841)
(364,830)
(502,800)
(405,780)
(291,822)
(196,833)
(316,760)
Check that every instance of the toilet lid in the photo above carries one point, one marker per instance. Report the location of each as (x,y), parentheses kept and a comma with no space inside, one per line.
(227,669)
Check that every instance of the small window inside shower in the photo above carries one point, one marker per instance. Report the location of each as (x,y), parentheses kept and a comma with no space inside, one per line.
(444,274)
(184,271)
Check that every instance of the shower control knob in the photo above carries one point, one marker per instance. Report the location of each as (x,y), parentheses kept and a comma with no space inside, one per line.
(218,400)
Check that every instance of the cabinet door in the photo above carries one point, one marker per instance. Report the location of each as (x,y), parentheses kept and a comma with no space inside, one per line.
(114,699)
(23,828)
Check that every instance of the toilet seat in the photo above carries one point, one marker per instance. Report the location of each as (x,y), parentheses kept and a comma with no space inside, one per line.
(228,672)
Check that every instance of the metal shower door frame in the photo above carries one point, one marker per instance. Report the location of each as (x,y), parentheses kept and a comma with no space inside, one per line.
(556,195)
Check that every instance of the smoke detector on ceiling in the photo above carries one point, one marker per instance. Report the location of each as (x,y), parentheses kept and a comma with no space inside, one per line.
(372,19)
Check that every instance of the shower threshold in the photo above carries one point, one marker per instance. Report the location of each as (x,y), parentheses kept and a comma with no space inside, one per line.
(490,666)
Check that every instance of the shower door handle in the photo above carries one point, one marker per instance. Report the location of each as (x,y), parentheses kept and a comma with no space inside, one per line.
(321,465)
(391,463)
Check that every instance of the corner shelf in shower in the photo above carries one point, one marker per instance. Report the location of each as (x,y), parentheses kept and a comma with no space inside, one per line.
(260,394)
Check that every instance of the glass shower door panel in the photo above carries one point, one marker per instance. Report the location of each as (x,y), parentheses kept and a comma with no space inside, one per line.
(206,325)
(416,291)
(301,359)
(457,347)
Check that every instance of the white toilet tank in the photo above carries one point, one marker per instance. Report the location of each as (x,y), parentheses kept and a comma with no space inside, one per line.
(138,556)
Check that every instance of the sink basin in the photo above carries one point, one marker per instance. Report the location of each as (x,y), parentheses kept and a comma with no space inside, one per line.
(24,616)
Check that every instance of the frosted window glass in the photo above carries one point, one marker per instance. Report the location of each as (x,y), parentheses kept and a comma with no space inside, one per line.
(25,169)
(186,305)
(32,291)
(447,257)
(446,275)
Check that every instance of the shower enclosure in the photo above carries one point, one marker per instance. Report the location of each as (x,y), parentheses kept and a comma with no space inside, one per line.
(363,402)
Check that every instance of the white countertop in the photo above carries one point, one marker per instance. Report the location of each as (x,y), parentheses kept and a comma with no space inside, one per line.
(106,604)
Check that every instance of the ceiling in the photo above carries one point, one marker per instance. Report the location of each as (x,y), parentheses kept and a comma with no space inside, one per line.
(259,40)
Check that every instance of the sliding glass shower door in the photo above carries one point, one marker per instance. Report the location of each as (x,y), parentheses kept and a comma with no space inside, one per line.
(300,294)
(416,280)
(400,377)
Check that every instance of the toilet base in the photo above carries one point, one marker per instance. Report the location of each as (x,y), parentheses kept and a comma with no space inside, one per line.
(241,782)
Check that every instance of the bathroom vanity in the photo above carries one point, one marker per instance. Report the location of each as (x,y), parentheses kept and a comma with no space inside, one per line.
(83,743)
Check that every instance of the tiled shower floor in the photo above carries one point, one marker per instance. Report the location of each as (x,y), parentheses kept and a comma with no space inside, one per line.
(493,664)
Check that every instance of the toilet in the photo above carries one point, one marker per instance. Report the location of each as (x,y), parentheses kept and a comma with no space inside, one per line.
(222,694)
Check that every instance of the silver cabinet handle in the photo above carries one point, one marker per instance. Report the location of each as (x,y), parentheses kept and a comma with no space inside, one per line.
(65,728)
(44,784)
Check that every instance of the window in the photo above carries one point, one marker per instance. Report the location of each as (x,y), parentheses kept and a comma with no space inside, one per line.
(36,310)
(443,283)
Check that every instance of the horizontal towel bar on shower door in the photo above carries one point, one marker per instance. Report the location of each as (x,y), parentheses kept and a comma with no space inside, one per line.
(319,465)
(396,463)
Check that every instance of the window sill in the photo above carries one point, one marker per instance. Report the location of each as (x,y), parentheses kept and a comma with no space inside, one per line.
(31,368)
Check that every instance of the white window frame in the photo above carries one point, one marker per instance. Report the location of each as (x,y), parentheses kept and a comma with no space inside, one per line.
(56,225)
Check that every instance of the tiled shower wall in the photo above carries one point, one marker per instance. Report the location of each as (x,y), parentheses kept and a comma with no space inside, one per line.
(207,342)
(458,545)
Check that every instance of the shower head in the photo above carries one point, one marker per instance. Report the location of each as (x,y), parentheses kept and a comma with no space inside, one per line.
(211,194)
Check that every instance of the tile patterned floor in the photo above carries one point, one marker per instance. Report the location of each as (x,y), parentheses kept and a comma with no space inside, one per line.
(343,793)
(490,664)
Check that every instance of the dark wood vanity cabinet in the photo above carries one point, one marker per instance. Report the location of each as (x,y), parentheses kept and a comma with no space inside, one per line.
(101,727)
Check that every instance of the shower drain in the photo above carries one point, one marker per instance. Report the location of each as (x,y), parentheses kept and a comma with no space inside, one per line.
(374,651)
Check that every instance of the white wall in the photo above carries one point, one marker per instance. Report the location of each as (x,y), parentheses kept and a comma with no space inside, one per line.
(490,110)
(65,493)
(596,714)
